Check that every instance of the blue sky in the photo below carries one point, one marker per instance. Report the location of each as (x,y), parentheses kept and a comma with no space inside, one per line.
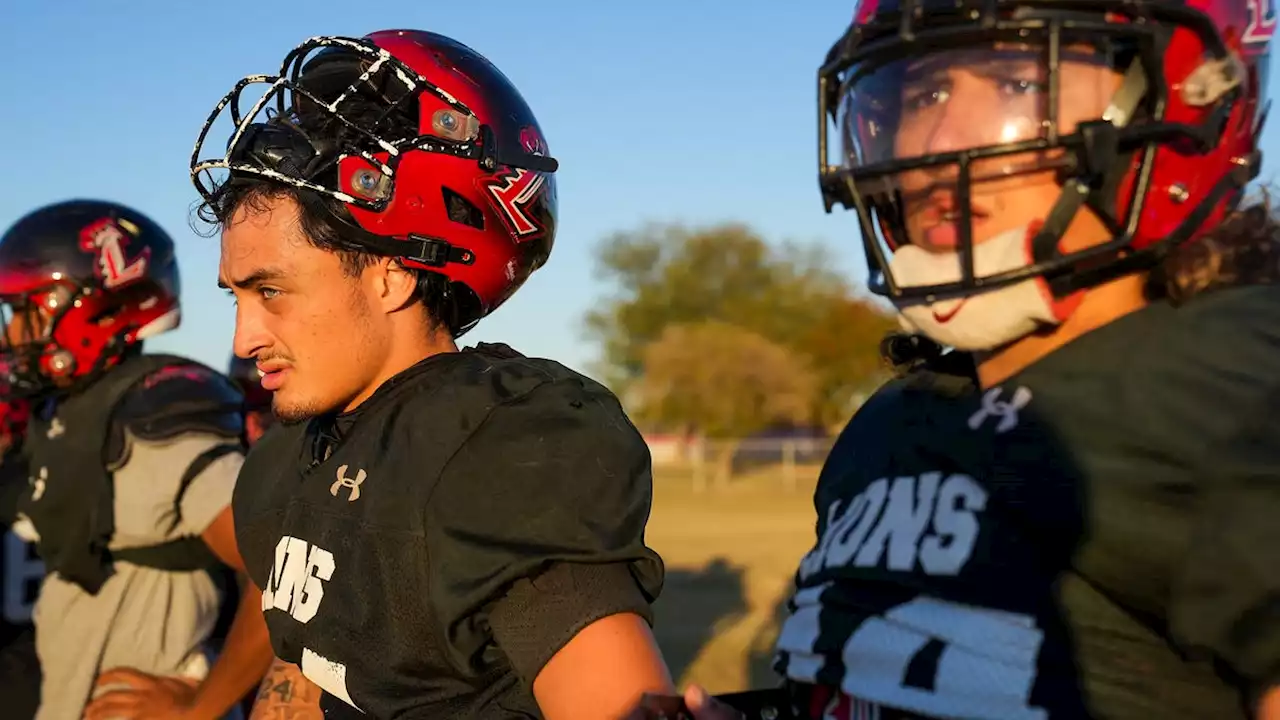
(696,111)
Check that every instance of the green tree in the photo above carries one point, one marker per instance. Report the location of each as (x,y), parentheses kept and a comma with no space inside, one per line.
(791,294)
(667,274)
(843,345)
(722,382)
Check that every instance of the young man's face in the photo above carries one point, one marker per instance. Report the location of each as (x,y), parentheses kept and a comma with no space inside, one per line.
(311,327)
(953,100)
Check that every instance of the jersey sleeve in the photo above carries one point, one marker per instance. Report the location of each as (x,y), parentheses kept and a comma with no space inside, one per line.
(1226,599)
(536,528)
(13,483)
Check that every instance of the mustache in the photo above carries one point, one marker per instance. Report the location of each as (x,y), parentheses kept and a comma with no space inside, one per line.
(268,357)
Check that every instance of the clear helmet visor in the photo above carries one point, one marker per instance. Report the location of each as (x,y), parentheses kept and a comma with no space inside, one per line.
(963,142)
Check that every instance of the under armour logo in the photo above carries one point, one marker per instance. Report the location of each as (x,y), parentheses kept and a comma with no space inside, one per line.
(992,405)
(345,482)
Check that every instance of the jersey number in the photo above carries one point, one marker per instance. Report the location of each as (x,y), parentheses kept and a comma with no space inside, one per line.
(23,570)
(942,658)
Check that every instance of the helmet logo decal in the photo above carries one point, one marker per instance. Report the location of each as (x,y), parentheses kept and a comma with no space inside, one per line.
(514,189)
(107,238)
(1262,22)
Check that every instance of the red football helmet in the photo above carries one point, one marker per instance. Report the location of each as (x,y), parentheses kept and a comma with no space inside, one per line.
(434,153)
(80,282)
(1165,163)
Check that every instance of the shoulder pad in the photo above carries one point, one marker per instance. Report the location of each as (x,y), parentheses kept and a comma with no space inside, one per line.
(505,374)
(1237,327)
(919,394)
(886,401)
(1220,348)
(1249,313)
(940,381)
(497,350)
(476,382)
(179,398)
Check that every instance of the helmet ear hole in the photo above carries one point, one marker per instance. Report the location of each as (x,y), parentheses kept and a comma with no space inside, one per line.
(462,210)
(454,305)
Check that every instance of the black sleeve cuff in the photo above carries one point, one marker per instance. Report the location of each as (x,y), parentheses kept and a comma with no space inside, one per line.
(13,483)
(538,616)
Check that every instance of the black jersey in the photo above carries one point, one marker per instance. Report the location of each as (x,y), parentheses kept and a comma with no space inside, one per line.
(1098,536)
(21,571)
(426,554)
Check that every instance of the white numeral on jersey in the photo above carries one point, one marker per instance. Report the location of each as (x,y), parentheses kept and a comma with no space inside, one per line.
(986,667)
(22,571)
(297,578)
(328,675)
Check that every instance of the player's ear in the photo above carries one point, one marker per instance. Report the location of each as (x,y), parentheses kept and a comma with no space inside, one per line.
(396,285)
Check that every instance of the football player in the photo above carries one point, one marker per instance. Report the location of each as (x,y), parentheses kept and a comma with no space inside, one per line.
(20,574)
(1068,508)
(436,532)
(131,460)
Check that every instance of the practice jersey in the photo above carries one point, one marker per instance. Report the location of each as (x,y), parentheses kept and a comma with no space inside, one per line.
(21,571)
(1097,536)
(426,554)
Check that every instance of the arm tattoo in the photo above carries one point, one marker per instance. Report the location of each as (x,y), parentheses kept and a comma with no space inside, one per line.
(286,695)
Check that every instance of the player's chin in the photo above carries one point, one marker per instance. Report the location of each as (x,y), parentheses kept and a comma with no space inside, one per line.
(291,406)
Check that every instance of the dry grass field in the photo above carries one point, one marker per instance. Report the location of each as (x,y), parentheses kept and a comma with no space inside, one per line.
(730,554)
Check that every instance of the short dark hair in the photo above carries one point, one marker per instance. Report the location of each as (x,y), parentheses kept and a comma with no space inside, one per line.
(325,224)
(316,214)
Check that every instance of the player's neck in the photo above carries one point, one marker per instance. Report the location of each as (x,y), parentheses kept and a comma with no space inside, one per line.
(1100,306)
(407,349)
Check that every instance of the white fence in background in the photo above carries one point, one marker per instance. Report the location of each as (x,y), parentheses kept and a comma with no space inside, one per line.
(718,463)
